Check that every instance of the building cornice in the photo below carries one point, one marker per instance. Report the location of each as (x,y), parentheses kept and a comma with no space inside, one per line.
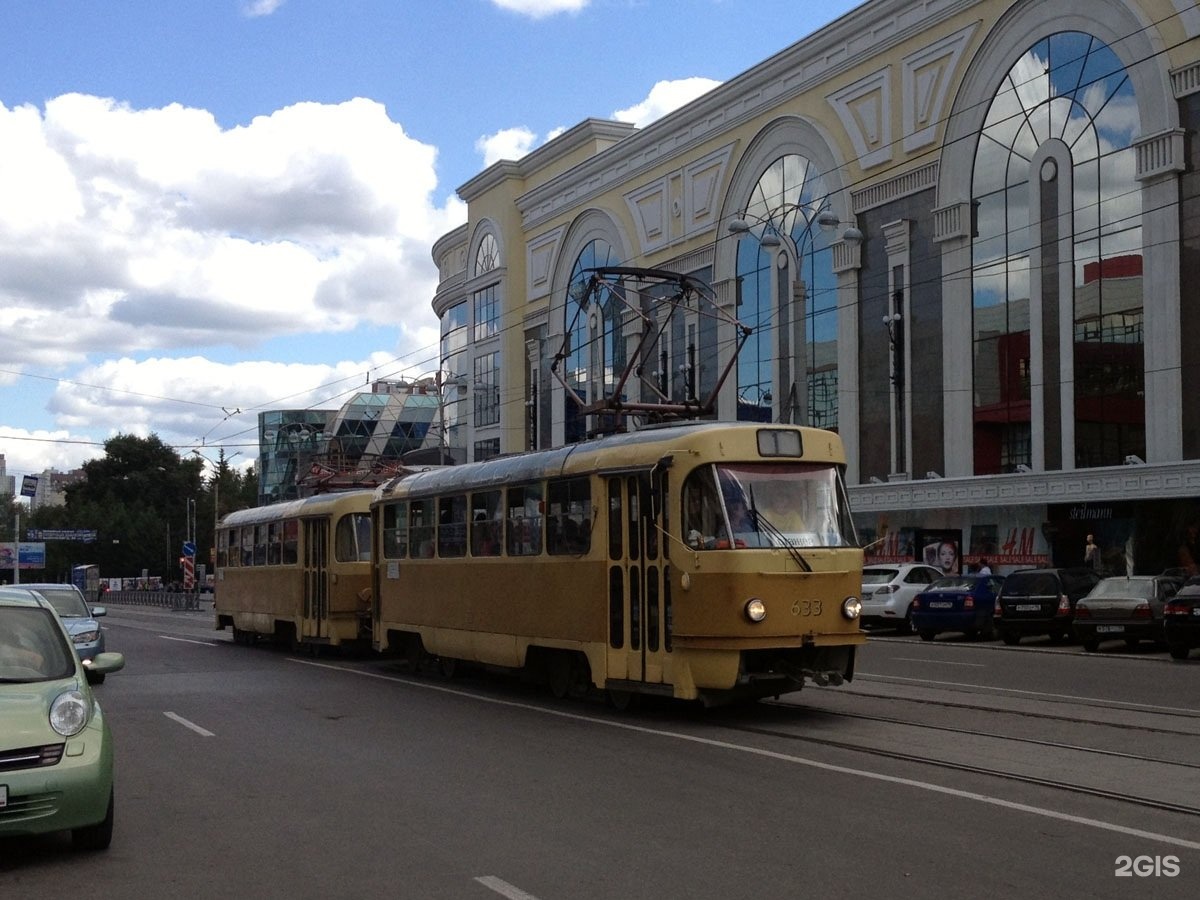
(1155,481)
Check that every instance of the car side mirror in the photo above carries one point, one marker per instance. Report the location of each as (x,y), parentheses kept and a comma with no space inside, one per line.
(98,611)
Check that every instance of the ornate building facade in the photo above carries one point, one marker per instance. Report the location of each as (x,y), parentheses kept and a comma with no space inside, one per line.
(958,232)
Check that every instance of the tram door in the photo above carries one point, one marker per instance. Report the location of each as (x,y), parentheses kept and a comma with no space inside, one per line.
(638,580)
(316,578)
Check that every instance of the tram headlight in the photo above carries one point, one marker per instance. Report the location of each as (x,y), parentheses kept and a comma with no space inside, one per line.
(851,608)
(756,610)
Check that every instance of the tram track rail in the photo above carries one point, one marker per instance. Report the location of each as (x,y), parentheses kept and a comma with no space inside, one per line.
(926,761)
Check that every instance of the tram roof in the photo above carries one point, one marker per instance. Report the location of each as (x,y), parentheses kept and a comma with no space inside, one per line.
(579,458)
(292,509)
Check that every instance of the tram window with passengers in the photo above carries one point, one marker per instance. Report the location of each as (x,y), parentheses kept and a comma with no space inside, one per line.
(297,572)
(710,561)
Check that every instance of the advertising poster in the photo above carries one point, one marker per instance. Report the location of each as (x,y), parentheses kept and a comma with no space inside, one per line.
(942,549)
(30,555)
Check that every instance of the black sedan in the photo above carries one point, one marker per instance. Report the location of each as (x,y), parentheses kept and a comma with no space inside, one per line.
(1126,608)
(1181,621)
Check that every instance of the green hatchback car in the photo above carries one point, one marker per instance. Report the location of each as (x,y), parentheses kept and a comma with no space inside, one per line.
(56,749)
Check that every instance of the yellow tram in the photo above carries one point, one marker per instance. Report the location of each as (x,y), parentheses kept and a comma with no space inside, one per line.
(298,572)
(626,563)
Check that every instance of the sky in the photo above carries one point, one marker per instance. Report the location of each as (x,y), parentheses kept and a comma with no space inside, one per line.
(213,208)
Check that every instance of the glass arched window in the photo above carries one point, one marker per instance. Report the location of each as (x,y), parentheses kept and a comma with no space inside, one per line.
(793,311)
(581,353)
(1054,168)
(487,257)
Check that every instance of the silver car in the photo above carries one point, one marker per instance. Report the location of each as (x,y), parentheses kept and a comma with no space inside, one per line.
(77,616)
(888,590)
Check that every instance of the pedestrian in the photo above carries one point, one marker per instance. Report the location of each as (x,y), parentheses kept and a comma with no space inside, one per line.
(1091,553)
(984,568)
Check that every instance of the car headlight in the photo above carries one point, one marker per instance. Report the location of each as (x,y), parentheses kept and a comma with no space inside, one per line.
(851,608)
(69,713)
(756,610)
(86,637)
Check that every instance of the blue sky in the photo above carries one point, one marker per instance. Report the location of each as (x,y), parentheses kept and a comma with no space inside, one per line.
(209,208)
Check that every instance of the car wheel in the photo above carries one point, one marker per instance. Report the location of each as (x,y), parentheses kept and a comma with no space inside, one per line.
(1131,642)
(928,635)
(1010,638)
(1179,651)
(95,837)
(1091,645)
(905,625)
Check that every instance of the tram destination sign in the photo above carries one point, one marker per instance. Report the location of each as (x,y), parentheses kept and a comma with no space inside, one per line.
(84,535)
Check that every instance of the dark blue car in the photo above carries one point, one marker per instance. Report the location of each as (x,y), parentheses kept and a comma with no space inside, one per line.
(962,603)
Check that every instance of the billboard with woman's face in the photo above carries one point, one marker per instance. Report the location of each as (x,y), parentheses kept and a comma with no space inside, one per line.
(942,549)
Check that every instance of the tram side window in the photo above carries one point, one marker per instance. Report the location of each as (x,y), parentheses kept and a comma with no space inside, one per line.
(225,537)
(485,523)
(703,520)
(395,531)
(420,529)
(569,529)
(274,544)
(452,526)
(525,520)
(351,538)
(248,545)
(291,542)
(260,545)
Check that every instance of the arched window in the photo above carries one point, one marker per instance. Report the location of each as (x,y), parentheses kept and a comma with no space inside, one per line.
(787,292)
(596,253)
(487,257)
(1053,176)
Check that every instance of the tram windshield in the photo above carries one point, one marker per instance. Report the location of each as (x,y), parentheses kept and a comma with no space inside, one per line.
(766,505)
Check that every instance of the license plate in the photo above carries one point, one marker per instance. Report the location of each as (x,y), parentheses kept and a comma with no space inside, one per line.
(941,604)
(1196,611)
(1109,629)
(1028,607)
(3,795)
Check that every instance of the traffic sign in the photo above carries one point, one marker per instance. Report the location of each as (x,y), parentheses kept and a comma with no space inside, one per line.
(29,486)
(189,548)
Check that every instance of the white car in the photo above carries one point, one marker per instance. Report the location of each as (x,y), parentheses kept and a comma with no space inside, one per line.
(888,590)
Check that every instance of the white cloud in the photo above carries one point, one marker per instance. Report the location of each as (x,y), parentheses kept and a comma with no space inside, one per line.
(126,232)
(511,143)
(665,97)
(256,8)
(540,9)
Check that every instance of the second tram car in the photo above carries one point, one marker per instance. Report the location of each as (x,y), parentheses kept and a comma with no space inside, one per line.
(297,572)
(710,561)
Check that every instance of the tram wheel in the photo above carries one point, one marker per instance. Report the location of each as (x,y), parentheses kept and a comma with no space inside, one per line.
(559,674)
(622,701)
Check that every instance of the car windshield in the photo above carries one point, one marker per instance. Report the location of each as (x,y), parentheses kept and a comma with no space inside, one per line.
(66,601)
(1124,587)
(32,646)
(878,576)
(1041,584)
(954,582)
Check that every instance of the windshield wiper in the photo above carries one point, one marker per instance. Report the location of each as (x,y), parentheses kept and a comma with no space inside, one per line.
(781,539)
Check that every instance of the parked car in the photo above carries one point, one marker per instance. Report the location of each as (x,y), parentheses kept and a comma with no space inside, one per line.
(888,591)
(1181,620)
(80,618)
(964,603)
(1041,601)
(1124,607)
(56,749)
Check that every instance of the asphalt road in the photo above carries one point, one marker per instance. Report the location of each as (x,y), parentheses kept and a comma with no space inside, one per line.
(247,772)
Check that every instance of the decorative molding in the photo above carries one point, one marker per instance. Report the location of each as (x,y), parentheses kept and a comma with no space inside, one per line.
(1185,80)
(903,185)
(648,207)
(1160,154)
(1189,16)
(895,237)
(847,256)
(954,221)
(926,77)
(865,110)
(1147,482)
(540,253)
(681,203)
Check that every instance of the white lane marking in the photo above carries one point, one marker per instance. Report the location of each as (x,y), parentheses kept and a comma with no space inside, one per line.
(186,724)
(502,887)
(938,662)
(167,637)
(988,687)
(783,757)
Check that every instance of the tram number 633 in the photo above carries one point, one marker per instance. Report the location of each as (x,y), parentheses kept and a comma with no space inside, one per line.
(806,608)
